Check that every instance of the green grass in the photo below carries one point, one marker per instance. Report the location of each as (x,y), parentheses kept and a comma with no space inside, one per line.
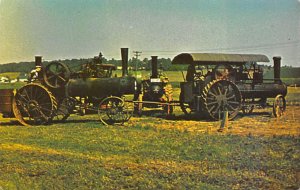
(91,156)
(15,85)
(11,75)
(291,81)
(82,154)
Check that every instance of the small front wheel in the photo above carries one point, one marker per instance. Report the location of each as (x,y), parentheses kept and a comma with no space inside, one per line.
(113,110)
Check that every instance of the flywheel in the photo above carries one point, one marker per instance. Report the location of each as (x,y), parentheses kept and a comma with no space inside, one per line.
(56,75)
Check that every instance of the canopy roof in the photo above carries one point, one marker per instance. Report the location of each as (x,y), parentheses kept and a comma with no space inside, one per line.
(215,58)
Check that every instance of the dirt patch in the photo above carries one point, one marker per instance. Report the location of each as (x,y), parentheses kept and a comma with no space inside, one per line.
(261,122)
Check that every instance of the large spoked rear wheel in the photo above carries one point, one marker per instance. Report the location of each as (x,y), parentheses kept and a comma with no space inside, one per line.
(34,105)
(113,110)
(279,106)
(220,96)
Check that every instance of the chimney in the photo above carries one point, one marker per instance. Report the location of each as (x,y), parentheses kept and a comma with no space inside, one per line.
(38,60)
(154,67)
(277,64)
(124,54)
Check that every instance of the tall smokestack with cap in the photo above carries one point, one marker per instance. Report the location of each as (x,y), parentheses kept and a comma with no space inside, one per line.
(154,67)
(124,54)
(277,65)
(38,60)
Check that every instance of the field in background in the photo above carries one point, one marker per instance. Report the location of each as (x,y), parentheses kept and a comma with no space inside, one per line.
(174,77)
(11,75)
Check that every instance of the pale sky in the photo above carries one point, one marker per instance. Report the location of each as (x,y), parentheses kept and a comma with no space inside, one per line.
(59,29)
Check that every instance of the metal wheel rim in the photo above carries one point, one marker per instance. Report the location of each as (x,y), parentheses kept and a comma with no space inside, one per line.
(34,105)
(112,110)
(222,95)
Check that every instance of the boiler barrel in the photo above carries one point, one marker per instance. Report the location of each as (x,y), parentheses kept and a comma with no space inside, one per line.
(101,87)
(264,90)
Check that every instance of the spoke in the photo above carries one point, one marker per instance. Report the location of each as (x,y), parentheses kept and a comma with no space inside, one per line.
(44,104)
(46,109)
(211,103)
(40,95)
(232,108)
(52,76)
(211,93)
(220,91)
(232,96)
(31,92)
(216,110)
(61,78)
(23,96)
(26,93)
(26,100)
(34,92)
(210,98)
(61,72)
(214,91)
(232,102)
(226,90)
(211,108)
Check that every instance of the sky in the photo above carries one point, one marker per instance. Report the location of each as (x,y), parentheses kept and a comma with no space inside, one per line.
(66,29)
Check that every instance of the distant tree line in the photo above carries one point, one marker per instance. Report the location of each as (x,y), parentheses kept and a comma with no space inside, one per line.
(145,64)
(74,64)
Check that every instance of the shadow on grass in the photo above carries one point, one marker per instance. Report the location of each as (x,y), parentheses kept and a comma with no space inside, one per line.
(148,113)
(197,117)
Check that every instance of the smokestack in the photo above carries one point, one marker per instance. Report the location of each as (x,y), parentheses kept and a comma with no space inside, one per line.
(154,67)
(124,54)
(38,60)
(277,64)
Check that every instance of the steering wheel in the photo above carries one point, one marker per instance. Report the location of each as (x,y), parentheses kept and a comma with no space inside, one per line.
(224,71)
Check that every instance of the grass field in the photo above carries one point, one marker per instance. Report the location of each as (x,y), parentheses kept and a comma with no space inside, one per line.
(257,151)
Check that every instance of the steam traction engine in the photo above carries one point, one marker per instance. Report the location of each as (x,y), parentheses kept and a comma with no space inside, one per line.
(154,92)
(56,92)
(219,83)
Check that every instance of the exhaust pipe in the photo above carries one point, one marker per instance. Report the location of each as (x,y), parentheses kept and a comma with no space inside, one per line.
(154,67)
(124,54)
(277,65)
(38,60)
